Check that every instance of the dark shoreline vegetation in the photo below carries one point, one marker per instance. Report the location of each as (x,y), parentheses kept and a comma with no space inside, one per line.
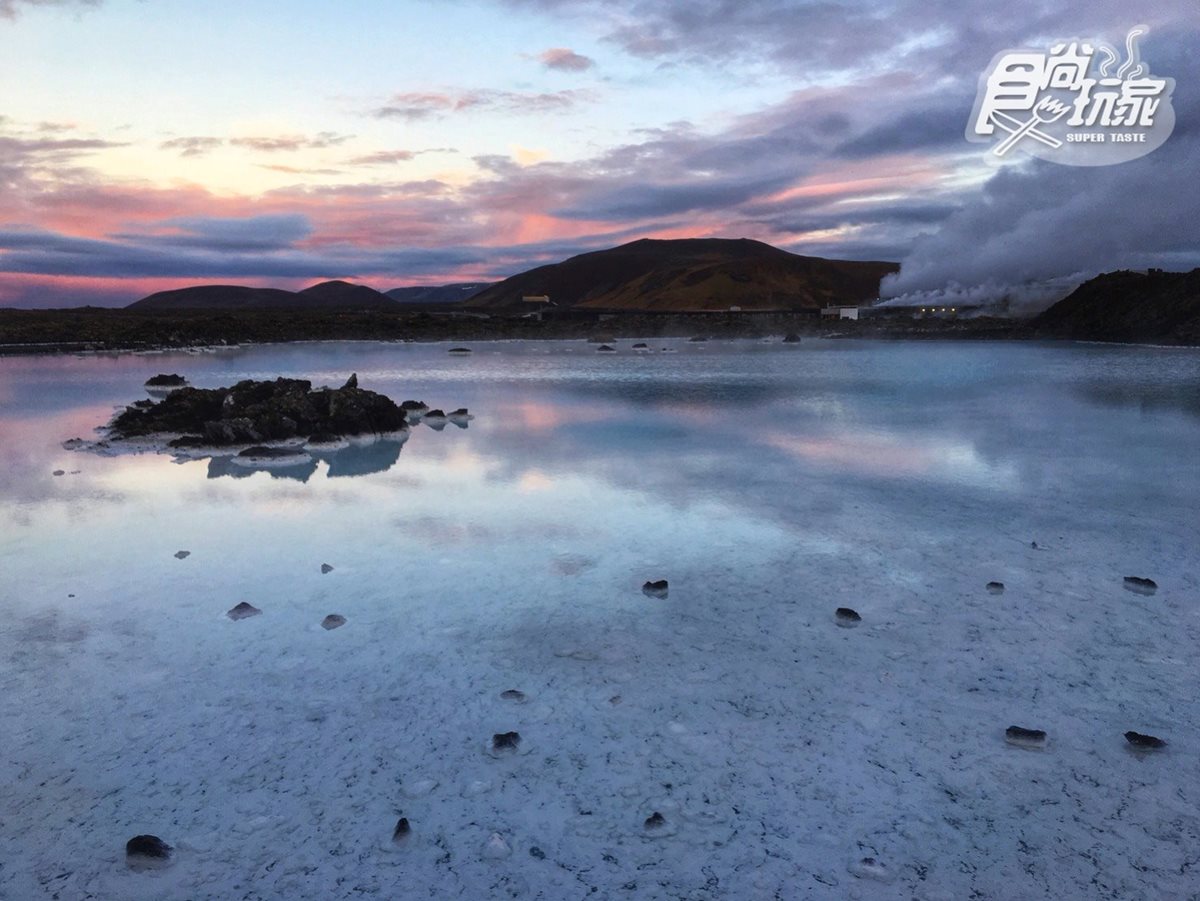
(96,329)
(1124,307)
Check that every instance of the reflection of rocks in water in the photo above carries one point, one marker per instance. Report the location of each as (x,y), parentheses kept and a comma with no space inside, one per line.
(364,457)
(1146,395)
(358,457)
(225,466)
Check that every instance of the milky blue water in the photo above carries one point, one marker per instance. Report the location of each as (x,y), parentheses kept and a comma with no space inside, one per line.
(769,483)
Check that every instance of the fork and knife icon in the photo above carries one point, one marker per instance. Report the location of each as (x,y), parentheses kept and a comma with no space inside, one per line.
(1047,111)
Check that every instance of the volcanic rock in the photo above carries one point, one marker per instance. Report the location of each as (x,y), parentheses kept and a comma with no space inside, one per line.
(243,611)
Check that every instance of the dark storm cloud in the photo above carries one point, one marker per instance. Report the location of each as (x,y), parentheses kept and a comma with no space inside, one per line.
(43,252)
(932,128)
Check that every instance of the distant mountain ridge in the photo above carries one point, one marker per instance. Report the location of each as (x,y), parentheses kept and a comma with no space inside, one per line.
(691,274)
(334,295)
(682,275)
(435,294)
(1128,306)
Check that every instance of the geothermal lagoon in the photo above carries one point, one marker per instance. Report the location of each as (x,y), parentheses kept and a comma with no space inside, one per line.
(455,685)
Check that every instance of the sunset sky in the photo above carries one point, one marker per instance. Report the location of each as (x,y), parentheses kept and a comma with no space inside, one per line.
(148,144)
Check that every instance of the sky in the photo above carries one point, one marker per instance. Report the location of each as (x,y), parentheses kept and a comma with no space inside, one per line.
(153,144)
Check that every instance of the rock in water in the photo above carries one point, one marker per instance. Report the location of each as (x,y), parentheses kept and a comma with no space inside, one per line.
(147,852)
(506,741)
(351,382)
(606,349)
(1138,585)
(1144,742)
(166,381)
(496,847)
(460,414)
(641,346)
(1025,738)
(537,853)
(655,822)
(459,350)
(513,694)
(995,587)
(846,618)
(243,611)
(180,555)
(58,472)
(870,868)
(258,412)
(657,589)
(326,568)
(402,830)
(333,621)
(791,338)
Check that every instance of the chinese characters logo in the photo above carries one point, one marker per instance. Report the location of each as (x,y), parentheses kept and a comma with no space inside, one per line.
(1077,103)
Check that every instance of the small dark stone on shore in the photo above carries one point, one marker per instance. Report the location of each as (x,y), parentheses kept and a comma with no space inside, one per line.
(657,589)
(402,831)
(332,621)
(58,472)
(846,618)
(995,587)
(537,853)
(147,851)
(326,568)
(513,694)
(641,345)
(1025,738)
(606,348)
(1138,585)
(1033,544)
(506,741)
(791,338)
(1144,742)
(180,555)
(243,611)
(655,821)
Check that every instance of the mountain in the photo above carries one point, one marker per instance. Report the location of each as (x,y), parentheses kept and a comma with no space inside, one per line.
(334,295)
(691,274)
(1129,306)
(343,295)
(436,294)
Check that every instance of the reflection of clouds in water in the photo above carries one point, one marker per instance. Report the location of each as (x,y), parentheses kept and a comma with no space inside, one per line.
(440,531)
(892,456)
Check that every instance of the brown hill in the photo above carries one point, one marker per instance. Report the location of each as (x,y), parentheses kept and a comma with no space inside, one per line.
(1129,306)
(347,296)
(689,275)
(334,295)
